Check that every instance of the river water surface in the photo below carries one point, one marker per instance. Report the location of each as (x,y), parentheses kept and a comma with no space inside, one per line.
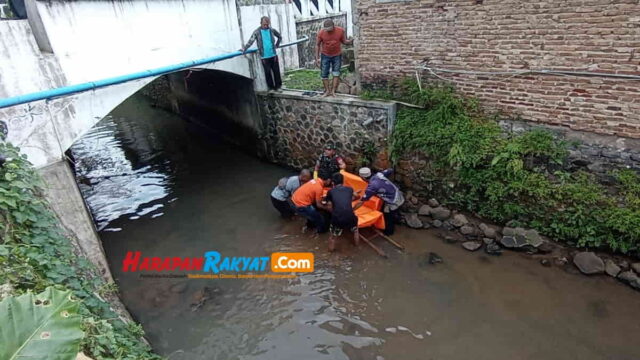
(158,185)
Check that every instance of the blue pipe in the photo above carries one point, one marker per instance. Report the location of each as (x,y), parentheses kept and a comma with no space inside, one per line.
(74,89)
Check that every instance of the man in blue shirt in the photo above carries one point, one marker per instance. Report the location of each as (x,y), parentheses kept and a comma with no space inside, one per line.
(268,40)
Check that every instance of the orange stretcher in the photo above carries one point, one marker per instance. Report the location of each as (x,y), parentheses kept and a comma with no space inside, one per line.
(369,214)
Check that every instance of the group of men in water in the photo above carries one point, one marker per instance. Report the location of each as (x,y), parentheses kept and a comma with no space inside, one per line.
(334,211)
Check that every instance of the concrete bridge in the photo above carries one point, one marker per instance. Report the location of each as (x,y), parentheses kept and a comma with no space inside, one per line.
(62,43)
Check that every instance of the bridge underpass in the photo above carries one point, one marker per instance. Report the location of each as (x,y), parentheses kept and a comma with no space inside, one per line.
(64,43)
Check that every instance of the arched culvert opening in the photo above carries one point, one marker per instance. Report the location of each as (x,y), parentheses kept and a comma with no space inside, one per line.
(223,102)
(171,185)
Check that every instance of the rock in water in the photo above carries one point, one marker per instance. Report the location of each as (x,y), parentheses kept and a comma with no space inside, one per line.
(434,258)
(589,263)
(178,288)
(508,231)
(450,240)
(533,238)
(413,221)
(488,231)
(437,223)
(459,220)
(467,230)
(636,267)
(546,247)
(513,242)
(441,213)
(545,262)
(493,249)
(429,259)
(611,268)
(471,245)
(433,203)
(630,278)
(425,210)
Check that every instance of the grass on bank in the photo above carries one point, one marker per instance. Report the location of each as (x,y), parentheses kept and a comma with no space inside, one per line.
(35,254)
(306,79)
(504,177)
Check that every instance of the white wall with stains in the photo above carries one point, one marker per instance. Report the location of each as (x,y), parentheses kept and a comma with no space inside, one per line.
(93,40)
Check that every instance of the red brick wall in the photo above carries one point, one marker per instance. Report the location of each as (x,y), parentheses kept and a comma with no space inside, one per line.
(503,35)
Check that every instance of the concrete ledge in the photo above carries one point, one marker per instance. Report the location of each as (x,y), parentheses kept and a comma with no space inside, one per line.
(338,99)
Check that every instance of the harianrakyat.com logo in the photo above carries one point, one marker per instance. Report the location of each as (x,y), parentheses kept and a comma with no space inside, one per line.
(215,266)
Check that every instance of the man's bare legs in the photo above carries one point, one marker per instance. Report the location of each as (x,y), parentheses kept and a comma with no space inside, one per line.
(327,88)
(332,243)
(356,237)
(336,83)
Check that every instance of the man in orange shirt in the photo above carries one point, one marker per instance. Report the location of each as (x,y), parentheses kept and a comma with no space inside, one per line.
(329,54)
(308,200)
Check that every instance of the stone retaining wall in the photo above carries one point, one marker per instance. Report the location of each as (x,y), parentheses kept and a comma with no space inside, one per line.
(297,126)
(594,153)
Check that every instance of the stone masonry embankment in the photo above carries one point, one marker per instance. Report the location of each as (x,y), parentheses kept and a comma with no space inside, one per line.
(296,126)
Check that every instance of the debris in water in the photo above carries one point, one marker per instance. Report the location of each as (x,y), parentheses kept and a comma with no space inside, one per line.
(417,336)
(391,330)
(282,236)
(112,229)
(428,333)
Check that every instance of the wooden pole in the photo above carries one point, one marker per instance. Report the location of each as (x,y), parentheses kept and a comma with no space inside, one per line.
(377,249)
(396,244)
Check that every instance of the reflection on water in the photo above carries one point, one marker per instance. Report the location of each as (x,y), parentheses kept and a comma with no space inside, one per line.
(141,163)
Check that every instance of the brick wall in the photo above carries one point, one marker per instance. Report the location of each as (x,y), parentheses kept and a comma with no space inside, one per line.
(504,35)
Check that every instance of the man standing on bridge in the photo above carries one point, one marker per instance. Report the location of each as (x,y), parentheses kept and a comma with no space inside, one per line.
(265,37)
(329,54)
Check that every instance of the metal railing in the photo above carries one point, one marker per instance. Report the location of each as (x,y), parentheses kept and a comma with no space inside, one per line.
(78,88)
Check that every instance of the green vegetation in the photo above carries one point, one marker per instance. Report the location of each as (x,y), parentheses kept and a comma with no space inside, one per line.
(35,254)
(40,326)
(306,79)
(512,177)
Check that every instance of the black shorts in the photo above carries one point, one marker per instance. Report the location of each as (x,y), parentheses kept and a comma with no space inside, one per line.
(338,224)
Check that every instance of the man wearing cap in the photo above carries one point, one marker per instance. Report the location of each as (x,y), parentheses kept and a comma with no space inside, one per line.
(268,40)
(329,54)
(382,187)
(328,163)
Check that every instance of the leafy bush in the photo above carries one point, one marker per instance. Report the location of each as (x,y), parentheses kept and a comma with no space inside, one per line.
(512,177)
(35,254)
(43,326)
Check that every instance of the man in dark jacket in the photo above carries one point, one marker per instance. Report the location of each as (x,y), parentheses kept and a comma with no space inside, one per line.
(268,40)
(329,163)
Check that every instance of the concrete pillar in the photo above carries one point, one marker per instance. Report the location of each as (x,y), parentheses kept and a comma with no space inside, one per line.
(66,201)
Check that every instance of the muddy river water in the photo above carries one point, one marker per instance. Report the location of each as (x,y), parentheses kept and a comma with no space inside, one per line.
(158,185)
